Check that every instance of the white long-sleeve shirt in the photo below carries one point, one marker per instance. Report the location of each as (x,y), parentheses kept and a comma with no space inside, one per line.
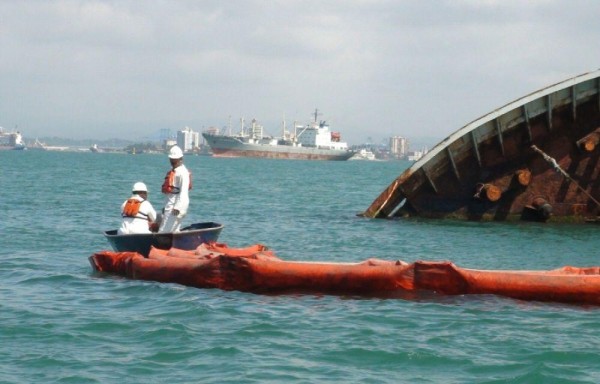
(139,223)
(181,200)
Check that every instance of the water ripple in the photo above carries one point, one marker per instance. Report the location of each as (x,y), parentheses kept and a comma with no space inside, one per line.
(60,322)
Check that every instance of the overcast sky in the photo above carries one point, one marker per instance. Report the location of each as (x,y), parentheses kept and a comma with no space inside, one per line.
(419,69)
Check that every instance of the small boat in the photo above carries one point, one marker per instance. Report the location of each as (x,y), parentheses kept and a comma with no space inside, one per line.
(94,148)
(257,269)
(188,238)
(363,154)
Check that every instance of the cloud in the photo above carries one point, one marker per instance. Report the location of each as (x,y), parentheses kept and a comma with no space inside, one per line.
(102,69)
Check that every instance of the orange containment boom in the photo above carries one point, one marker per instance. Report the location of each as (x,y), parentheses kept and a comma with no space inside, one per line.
(258,270)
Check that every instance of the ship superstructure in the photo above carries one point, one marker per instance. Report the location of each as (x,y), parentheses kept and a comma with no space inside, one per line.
(11,140)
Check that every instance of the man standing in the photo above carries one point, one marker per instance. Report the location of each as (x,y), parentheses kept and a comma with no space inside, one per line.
(137,212)
(176,186)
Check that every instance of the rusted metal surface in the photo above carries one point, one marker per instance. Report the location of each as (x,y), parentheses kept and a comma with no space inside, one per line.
(496,167)
(523,177)
(488,192)
(589,142)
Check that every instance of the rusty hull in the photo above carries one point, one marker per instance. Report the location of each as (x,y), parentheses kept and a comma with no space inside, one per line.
(489,169)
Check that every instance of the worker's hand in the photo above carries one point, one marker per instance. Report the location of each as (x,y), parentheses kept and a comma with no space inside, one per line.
(176,212)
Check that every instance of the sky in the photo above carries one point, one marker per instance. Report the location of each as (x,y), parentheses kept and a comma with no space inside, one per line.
(373,68)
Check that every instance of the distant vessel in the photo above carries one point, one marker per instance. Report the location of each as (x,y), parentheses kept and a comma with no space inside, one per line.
(40,146)
(11,140)
(313,141)
(94,148)
(364,154)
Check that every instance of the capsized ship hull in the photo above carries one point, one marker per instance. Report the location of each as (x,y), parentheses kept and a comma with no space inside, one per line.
(537,158)
(230,146)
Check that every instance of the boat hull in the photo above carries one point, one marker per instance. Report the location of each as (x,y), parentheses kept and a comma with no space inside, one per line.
(188,238)
(262,272)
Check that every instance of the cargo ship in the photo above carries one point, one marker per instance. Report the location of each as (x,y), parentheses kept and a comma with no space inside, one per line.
(11,140)
(313,141)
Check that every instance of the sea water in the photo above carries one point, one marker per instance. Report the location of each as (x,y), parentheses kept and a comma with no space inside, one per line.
(62,323)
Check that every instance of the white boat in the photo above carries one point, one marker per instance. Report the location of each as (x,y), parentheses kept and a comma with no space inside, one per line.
(38,145)
(363,154)
(94,148)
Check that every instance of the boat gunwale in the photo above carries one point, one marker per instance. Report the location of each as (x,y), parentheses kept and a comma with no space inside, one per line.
(143,242)
(112,233)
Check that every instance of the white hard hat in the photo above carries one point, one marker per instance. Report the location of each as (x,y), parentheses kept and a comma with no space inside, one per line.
(175,152)
(139,187)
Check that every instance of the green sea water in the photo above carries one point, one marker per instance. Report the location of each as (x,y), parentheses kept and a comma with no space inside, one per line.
(62,323)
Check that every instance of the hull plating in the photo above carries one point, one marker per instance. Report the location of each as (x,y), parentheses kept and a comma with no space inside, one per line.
(535,159)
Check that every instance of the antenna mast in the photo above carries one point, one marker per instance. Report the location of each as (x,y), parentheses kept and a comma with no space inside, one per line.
(316,114)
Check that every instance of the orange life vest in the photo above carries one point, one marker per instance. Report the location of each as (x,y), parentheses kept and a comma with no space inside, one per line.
(132,209)
(168,186)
